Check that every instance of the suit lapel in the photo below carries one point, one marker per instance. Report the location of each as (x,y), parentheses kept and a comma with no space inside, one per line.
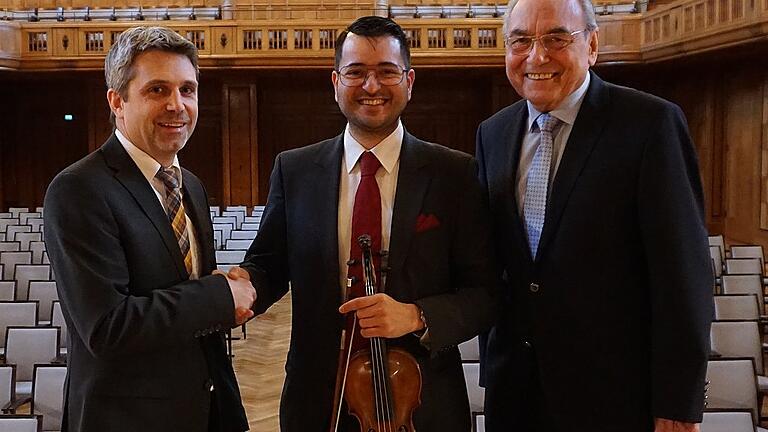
(586,132)
(325,184)
(412,182)
(514,132)
(129,175)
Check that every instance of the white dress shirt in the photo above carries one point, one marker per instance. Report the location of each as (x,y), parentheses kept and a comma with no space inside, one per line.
(149,168)
(388,153)
(566,113)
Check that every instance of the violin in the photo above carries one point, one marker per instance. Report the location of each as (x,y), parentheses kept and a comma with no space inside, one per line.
(380,385)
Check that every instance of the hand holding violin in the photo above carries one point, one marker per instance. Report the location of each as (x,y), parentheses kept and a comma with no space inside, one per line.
(380,315)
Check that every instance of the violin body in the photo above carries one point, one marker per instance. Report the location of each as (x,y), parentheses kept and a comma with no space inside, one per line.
(404,381)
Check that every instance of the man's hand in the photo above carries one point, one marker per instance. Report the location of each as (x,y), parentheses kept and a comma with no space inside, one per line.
(380,315)
(242,293)
(665,425)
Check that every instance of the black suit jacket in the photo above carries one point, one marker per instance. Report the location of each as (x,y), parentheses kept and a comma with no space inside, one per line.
(445,270)
(620,322)
(145,344)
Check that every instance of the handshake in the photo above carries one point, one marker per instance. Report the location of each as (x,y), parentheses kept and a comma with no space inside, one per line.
(243,293)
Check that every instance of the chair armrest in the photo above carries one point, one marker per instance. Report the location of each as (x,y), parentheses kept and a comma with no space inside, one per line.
(12,406)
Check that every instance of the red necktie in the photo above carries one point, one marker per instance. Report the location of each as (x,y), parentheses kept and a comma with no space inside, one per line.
(366,219)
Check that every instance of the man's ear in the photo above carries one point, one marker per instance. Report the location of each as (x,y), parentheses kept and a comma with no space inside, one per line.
(115,103)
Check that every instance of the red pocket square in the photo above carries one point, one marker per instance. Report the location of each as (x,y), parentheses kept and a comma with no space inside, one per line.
(426,222)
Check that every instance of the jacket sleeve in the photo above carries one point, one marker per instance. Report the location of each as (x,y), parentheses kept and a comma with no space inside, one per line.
(86,247)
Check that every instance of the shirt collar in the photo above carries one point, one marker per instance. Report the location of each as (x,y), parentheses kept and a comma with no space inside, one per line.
(567,111)
(148,166)
(387,151)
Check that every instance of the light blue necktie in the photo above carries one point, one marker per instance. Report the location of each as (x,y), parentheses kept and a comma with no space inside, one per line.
(535,204)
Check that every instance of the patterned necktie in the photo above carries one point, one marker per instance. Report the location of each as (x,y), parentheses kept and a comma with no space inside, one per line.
(366,219)
(535,204)
(175,209)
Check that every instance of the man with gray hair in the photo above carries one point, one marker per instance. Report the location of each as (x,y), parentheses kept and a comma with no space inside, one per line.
(598,219)
(131,243)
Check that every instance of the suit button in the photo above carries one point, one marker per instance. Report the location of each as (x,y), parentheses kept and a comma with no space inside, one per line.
(209,385)
(534,288)
(527,343)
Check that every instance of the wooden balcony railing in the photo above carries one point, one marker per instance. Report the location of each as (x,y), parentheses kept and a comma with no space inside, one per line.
(677,29)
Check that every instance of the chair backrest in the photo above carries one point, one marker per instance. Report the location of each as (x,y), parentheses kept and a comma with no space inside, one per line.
(243,235)
(12,230)
(25,273)
(728,421)
(57,320)
(748,251)
(24,217)
(737,307)
(7,383)
(744,284)
(240,208)
(225,229)
(738,266)
(48,394)
(230,256)
(36,223)
(238,245)
(717,260)
(25,238)
(732,384)
(478,422)
(44,292)
(250,226)
(21,423)
(25,346)
(38,249)
(239,215)
(10,246)
(738,339)
(7,290)
(215,210)
(719,241)
(9,260)
(232,220)
(217,235)
(470,350)
(474,391)
(16,313)
(16,211)
(6,222)
(257,210)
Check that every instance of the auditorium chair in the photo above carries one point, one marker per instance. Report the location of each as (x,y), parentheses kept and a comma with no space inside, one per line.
(231,220)
(38,250)
(25,273)
(36,224)
(10,246)
(250,226)
(48,394)
(717,259)
(470,350)
(57,320)
(5,223)
(745,284)
(16,313)
(25,238)
(7,386)
(27,346)
(43,292)
(748,251)
(217,236)
(230,256)
(742,266)
(478,422)
(7,290)
(12,230)
(16,211)
(255,219)
(718,241)
(5,215)
(740,339)
(24,217)
(237,214)
(737,307)
(21,423)
(728,421)
(9,260)
(732,385)
(225,229)
(215,210)
(238,245)
(474,391)
(242,235)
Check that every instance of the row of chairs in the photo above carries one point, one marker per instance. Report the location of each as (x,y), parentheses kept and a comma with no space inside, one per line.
(45,399)
(235,224)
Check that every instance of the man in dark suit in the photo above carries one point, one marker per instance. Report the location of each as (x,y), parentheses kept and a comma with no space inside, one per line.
(597,214)
(430,217)
(130,242)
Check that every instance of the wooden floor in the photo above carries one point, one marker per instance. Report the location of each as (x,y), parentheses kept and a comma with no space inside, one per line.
(259,364)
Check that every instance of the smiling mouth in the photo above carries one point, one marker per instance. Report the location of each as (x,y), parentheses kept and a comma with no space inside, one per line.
(172,125)
(539,76)
(372,102)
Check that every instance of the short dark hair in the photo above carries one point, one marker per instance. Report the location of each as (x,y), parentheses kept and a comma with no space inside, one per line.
(375,26)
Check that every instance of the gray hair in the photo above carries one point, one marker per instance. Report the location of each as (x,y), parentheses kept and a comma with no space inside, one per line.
(587,10)
(118,65)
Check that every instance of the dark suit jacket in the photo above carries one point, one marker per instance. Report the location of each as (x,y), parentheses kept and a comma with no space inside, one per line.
(620,322)
(144,341)
(445,270)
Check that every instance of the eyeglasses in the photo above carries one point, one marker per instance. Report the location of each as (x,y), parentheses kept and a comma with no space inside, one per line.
(522,45)
(356,76)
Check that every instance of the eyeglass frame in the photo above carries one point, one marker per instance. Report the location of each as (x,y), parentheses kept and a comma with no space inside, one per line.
(543,45)
(368,70)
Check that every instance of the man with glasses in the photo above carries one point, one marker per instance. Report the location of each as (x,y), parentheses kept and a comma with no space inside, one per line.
(598,220)
(420,202)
